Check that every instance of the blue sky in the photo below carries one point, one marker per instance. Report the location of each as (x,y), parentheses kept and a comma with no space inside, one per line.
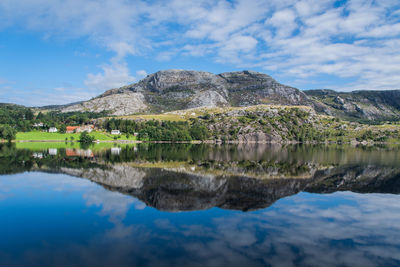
(61,51)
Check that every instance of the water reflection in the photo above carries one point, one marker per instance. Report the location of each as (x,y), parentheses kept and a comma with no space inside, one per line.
(71,206)
(194,177)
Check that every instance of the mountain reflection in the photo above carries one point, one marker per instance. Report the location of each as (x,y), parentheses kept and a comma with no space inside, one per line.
(194,177)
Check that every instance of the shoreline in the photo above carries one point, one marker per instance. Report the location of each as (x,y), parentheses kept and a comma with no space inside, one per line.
(219,142)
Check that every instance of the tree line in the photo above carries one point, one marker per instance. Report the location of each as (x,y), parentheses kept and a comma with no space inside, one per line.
(154,130)
(22,119)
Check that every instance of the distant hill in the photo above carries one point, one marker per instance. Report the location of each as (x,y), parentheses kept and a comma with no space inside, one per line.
(358,105)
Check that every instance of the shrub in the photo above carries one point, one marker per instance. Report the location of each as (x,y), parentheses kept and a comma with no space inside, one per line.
(7,133)
(86,138)
(63,128)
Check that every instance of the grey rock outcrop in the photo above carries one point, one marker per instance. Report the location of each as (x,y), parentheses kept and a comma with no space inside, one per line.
(117,104)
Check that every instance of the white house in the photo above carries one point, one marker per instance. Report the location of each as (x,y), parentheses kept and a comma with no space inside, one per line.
(52,130)
(37,155)
(53,151)
(115,132)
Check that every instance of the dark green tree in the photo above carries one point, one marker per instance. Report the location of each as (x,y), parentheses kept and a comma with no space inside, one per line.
(7,133)
(63,128)
(86,138)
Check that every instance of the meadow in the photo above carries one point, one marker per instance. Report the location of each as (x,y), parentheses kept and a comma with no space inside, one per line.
(45,136)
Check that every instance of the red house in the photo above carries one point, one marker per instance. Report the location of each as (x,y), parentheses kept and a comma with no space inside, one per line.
(71,129)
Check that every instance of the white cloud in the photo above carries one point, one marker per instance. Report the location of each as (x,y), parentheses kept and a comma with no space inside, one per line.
(113,76)
(141,73)
(284,22)
(295,39)
(122,49)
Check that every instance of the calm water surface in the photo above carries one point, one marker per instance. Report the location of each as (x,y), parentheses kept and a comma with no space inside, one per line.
(199,205)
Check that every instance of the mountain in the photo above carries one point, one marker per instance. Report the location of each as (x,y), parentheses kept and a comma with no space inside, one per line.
(171,90)
(182,89)
(358,105)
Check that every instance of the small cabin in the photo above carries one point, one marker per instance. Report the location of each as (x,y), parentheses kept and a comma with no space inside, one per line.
(85,128)
(52,130)
(115,132)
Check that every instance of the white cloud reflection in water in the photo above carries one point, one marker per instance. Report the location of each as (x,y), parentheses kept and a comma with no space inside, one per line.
(336,229)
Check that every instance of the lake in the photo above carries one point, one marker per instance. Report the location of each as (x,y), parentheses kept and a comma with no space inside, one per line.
(199,205)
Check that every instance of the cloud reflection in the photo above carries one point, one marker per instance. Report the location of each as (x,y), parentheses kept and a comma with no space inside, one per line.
(340,229)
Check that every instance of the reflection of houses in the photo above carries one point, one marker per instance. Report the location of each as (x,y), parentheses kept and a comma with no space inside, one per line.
(37,155)
(80,129)
(52,130)
(70,152)
(115,150)
(115,132)
(53,151)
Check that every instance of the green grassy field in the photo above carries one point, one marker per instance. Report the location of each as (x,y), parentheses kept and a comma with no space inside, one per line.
(44,136)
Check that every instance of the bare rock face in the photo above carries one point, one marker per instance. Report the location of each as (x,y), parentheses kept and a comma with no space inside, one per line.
(171,90)
(251,88)
(208,99)
(164,80)
(118,104)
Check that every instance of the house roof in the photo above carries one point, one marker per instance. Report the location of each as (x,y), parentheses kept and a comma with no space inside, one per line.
(72,128)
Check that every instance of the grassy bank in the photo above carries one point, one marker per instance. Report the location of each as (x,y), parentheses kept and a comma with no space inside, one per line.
(44,136)
(59,145)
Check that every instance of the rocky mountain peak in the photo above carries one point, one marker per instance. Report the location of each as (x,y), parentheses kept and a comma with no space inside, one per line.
(175,89)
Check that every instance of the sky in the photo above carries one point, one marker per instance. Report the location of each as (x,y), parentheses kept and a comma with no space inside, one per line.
(63,51)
